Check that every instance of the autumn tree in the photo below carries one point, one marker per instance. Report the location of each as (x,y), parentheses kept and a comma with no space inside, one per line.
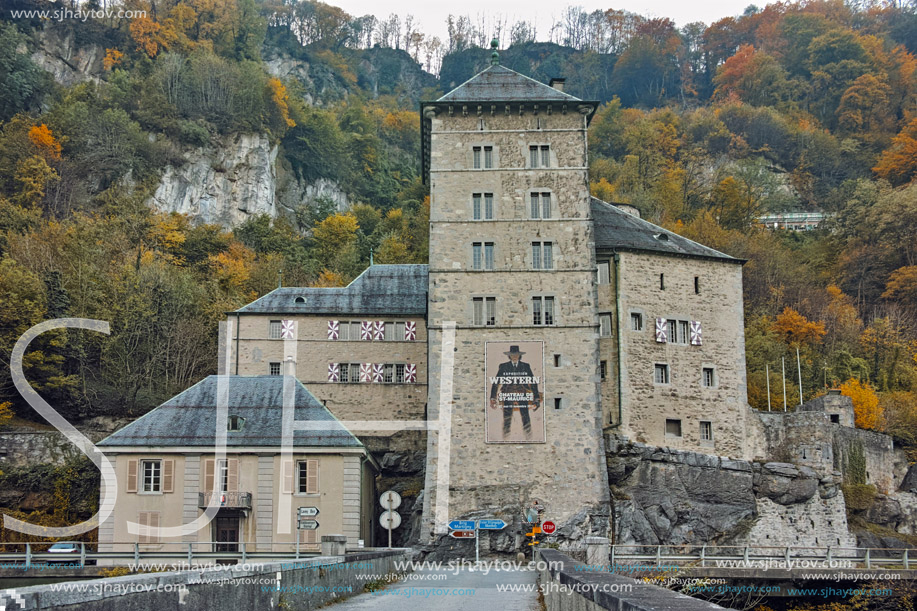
(796,330)
(866,409)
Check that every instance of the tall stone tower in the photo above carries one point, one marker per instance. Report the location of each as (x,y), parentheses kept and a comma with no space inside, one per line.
(512,320)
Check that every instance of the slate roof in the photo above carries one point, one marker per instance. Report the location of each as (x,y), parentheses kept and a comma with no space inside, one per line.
(500,84)
(379,290)
(189,418)
(618,230)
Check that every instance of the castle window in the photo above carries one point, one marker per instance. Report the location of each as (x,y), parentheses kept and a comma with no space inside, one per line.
(541,205)
(696,285)
(483,157)
(605,325)
(603,273)
(274,329)
(388,371)
(706,430)
(673,331)
(483,206)
(234,423)
(540,156)
(661,282)
(682,331)
(484,311)
(603,369)
(557,360)
(399,373)
(558,402)
(708,377)
(661,373)
(483,255)
(274,369)
(543,310)
(636,321)
(836,418)
(542,255)
(672,427)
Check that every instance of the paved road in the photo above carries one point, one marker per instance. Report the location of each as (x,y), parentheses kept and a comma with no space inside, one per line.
(426,589)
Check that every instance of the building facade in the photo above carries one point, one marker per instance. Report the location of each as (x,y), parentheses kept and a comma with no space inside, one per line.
(168,473)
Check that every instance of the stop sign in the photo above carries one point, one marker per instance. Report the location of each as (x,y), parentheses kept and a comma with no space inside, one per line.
(548,527)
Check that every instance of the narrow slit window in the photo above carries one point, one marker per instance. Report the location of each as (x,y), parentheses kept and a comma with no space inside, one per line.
(476,155)
(546,156)
(476,206)
(488,157)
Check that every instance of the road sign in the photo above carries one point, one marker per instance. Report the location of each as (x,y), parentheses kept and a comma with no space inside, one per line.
(491,524)
(548,527)
(390,500)
(461,525)
(308,524)
(308,512)
(462,534)
(395,517)
(536,530)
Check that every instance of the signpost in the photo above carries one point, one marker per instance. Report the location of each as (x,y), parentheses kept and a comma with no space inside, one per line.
(463,534)
(536,530)
(468,529)
(390,501)
(491,524)
(303,523)
(461,525)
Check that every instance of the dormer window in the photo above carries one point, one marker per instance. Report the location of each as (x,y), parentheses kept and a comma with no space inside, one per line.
(662,237)
(299,300)
(234,423)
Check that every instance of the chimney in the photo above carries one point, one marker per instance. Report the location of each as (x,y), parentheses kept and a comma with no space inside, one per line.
(558,83)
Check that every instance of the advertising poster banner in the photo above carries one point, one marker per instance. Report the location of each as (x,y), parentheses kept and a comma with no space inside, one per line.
(514,390)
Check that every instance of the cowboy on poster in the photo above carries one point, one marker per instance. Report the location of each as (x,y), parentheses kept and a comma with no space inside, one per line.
(514,373)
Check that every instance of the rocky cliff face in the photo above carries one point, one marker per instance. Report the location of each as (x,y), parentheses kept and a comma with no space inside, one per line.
(234,178)
(669,497)
(57,52)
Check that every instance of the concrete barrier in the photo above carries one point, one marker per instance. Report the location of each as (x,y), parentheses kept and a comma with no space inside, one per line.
(299,585)
(566,589)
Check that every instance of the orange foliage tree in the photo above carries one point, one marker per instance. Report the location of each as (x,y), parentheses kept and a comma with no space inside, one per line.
(43,139)
(796,330)
(866,409)
(898,163)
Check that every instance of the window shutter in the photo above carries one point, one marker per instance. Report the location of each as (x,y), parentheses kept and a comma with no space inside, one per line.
(208,475)
(379,330)
(312,477)
(168,475)
(233,479)
(153,520)
(286,476)
(143,519)
(132,475)
(661,330)
(334,329)
(334,372)
(366,331)
(410,331)
(696,339)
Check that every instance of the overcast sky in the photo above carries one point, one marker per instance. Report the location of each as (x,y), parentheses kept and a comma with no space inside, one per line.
(432,14)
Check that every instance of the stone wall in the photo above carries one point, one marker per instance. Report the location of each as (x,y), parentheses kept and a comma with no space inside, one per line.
(645,404)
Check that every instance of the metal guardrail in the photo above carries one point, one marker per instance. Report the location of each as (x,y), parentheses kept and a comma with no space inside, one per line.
(753,557)
(704,556)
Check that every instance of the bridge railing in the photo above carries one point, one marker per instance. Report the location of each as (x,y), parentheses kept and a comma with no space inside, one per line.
(756,557)
(23,554)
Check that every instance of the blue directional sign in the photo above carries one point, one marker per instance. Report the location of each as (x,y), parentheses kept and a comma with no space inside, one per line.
(461,524)
(491,524)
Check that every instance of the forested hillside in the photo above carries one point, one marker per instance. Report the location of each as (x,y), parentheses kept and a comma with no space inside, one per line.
(796,106)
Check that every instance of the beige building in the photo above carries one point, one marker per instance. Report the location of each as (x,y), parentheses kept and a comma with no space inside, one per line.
(167,472)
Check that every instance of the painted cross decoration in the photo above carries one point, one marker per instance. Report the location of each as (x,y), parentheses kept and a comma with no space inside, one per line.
(410,331)
(379,331)
(287,329)
(334,329)
(661,331)
(377,373)
(366,330)
(410,373)
(334,372)
(696,339)
(366,372)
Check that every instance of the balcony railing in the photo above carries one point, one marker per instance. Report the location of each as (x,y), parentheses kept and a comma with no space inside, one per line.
(232,500)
